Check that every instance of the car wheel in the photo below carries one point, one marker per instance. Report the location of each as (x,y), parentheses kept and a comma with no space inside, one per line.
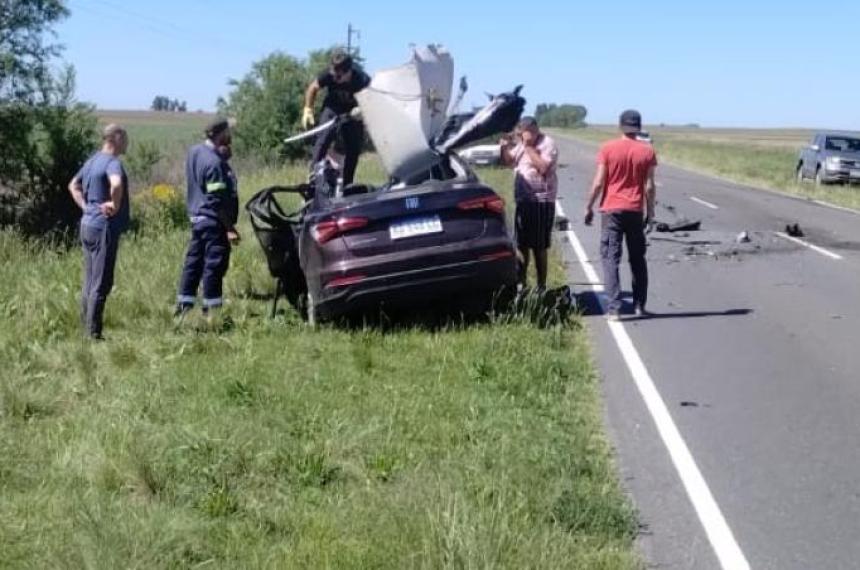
(819,177)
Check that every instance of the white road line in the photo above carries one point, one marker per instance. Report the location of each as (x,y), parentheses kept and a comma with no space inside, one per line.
(717,529)
(703,203)
(813,247)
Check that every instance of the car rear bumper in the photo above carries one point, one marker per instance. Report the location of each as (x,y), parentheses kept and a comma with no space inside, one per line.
(477,269)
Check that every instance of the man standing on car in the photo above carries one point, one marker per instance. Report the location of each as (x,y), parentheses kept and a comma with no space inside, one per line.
(534,160)
(213,207)
(624,182)
(100,189)
(342,81)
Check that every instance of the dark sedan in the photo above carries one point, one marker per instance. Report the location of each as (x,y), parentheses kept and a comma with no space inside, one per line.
(433,232)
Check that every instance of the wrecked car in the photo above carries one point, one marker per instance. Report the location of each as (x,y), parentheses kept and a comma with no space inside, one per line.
(434,231)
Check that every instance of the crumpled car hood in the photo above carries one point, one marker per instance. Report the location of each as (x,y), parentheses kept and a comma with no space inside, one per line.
(405,111)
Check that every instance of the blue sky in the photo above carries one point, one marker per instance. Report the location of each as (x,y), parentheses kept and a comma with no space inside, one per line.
(727,63)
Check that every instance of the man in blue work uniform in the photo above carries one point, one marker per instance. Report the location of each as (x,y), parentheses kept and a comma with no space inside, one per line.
(342,81)
(213,207)
(100,189)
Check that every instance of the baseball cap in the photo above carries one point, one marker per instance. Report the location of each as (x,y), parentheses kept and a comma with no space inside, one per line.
(630,121)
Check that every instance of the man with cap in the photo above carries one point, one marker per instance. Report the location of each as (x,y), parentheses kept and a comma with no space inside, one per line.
(534,158)
(342,80)
(624,183)
(213,207)
(100,189)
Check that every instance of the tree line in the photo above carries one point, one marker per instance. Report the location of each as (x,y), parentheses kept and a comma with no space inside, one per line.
(565,115)
(164,103)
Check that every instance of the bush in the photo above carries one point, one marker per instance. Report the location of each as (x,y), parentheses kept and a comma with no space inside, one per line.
(267,105)
(53,141)
(141,161)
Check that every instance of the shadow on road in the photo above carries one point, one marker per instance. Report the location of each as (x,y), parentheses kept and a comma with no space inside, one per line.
(589,305)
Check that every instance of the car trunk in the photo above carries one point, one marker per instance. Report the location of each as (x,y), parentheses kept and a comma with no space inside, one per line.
(431,215)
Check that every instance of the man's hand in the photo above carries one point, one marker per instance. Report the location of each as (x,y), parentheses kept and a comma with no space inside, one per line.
(589,216)
(308,118)
(107,209)
(233,236)
(529,138)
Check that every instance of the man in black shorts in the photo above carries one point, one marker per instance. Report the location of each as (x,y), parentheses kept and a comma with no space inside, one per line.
(534,158)
(342,81)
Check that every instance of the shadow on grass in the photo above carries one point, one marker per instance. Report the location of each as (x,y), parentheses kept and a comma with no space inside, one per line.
(542,309)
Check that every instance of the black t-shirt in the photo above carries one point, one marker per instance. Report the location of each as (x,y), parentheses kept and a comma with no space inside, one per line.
(340,97)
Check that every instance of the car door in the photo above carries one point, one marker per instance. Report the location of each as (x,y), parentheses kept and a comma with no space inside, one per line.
(808,157)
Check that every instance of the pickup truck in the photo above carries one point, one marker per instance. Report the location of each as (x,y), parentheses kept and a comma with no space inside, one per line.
(830,157)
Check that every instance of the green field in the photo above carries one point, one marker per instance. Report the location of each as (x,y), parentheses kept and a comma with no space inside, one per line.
(760,157)
(262,443)
(158,126)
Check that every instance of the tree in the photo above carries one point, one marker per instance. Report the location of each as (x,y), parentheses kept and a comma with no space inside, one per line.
(45,133)
(566,116)
(267,103)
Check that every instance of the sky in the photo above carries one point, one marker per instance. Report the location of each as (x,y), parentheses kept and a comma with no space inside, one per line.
(729,63)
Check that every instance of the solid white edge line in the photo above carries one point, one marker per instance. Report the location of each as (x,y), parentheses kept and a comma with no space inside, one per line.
(716,528)
(704,203)
(813,247)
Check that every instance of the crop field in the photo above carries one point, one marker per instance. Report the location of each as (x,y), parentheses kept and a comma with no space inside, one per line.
(261,443)
(758,157)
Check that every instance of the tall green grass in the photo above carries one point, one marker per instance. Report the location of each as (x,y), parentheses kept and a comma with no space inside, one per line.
(261,443)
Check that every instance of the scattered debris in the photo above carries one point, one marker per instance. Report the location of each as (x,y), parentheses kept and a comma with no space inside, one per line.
(743,237)
(794,230)
(687,404)
(562,224)
(681,225)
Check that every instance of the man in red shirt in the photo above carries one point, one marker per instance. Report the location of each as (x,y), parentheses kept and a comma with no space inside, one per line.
(624,182)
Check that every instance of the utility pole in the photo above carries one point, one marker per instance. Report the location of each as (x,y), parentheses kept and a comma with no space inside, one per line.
(350,32)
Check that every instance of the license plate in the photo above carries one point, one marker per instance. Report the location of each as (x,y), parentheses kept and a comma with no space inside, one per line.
(412,227)
(854,173)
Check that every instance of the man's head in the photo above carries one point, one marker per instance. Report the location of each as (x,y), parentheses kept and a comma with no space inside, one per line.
(528,130)
(218,132)
(115,139)
(630,122)
(341,66)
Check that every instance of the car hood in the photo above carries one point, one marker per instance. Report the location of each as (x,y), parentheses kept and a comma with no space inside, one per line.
(405,111)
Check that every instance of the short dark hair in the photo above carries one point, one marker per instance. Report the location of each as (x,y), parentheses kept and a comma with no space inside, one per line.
(215,127)
(341,61)
(528,123)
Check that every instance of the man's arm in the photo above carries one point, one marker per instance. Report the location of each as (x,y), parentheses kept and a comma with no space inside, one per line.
(597,188)
(311,93)
(650,193)
(505,146)
(76,189)
(117,191)
(310,99)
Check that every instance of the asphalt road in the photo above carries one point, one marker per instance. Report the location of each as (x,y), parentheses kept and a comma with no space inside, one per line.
(755,351)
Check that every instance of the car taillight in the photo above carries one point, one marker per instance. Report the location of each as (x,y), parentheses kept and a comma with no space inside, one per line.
(492,203)
(327,230)
(504,254)
(344,281)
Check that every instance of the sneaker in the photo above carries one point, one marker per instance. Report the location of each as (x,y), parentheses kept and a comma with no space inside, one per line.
(641,312)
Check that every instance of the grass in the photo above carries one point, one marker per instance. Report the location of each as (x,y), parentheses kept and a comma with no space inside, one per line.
(759,157)
(261,443)
(158,126)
